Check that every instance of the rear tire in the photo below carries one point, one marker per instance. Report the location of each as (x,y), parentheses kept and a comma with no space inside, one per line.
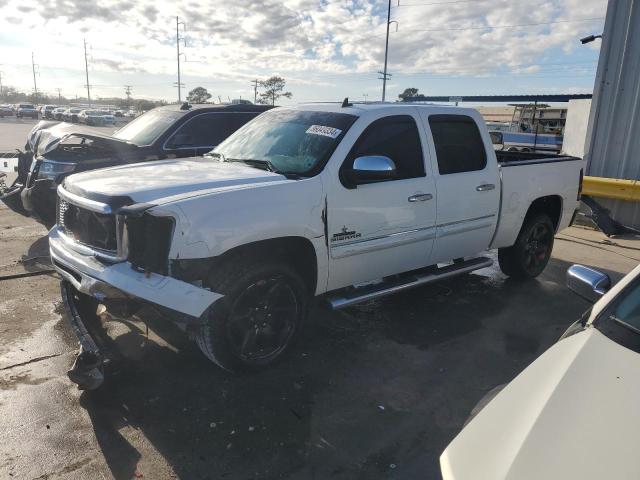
(260,316)
(529,255)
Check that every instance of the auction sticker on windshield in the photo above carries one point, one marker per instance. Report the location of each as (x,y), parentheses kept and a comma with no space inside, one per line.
(324,131)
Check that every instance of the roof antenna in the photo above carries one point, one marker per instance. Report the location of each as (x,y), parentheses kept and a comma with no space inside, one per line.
(345,103)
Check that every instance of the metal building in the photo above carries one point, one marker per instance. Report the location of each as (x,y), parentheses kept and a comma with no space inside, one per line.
(612,147)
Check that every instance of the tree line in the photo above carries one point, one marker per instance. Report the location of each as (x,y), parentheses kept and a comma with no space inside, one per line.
(273,89)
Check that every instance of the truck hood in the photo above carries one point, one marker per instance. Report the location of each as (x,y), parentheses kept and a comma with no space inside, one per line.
(573,413)
(46,136)
(167,180)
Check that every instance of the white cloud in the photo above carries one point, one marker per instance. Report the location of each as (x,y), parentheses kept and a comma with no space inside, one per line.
(309,42)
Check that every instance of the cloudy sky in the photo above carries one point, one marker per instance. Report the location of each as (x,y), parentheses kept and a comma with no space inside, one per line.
(326,49)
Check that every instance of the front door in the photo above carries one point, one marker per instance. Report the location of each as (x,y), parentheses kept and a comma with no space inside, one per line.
(387,227)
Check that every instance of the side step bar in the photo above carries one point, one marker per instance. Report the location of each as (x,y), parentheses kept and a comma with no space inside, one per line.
(405,282)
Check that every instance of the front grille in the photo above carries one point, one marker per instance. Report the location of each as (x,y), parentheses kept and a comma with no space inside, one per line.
(93,229)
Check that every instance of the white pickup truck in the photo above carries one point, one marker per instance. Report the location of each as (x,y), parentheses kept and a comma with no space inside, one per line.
(350,201)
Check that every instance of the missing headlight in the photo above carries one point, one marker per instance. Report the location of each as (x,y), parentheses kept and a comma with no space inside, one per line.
(149,240)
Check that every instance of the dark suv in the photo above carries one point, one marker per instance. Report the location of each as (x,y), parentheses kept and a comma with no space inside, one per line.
(165,132)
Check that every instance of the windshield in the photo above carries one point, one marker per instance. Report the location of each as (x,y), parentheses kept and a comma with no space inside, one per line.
(26,105)
(292,141)
(146,129)
(620,321)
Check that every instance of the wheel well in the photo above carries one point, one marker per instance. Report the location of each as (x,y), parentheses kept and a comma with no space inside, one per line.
(551,205)
(296,251)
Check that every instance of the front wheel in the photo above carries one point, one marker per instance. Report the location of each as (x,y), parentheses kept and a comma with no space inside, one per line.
(529,255)
(261,314)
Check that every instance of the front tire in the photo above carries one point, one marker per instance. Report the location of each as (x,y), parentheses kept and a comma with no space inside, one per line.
(529,255)
(258,319)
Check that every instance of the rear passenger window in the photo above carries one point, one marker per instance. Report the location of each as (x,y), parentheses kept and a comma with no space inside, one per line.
(395,137)
(459,147)
(204,130)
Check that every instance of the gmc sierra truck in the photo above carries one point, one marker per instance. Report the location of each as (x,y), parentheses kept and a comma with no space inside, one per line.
(350,202)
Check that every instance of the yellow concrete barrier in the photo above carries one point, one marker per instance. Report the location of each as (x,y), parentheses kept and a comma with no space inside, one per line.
(613,188)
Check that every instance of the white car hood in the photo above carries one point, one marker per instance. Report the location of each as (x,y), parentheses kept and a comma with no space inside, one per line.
(572,414)
(167,180)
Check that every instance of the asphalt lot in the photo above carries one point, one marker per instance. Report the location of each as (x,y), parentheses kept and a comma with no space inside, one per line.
(371,392)
(13,132)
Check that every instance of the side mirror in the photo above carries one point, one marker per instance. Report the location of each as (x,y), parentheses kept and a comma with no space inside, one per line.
(590,284)
(181,140)
(496,138)
(373,168)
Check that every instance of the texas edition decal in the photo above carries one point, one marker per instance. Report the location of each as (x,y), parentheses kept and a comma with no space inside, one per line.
(345,235)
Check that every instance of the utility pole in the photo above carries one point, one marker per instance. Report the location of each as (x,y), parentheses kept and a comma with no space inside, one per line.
(127,90)
(178,53)
(384,73)
(254,83)
(59,90)
(86,71)
(35,87)
(1,84)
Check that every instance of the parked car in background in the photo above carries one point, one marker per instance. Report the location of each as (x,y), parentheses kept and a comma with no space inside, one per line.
(118,114)
(91,117)
(6,111)
(572,413)
(107,117)
(58,113)
(71,114)
(130,114)
(26,110)
(164,132)
(47,111)
(352,202)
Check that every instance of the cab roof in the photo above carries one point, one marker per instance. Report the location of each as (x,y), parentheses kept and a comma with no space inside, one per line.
(359,109)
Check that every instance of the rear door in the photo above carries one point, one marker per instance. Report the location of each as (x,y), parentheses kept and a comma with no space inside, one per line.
(467,183)
(199,134)
(383,228)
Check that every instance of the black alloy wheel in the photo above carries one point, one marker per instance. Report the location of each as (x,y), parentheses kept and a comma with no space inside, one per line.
(262,319)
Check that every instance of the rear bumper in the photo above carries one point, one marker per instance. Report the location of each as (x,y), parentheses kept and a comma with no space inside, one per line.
(77,265)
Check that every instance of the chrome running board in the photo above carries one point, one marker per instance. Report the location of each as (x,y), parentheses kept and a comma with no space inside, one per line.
(406,281)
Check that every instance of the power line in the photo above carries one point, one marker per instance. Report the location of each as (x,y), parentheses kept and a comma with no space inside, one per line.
(254,84)
(435,3)
(501,26)
(384,73)
(86,71)
(127,91)
(35,87)
(179,84)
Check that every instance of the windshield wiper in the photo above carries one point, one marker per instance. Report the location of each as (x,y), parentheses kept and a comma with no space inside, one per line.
(624,324)
(264,165)
(217,155)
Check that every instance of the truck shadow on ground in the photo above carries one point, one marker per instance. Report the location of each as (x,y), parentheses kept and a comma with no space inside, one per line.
(375,391)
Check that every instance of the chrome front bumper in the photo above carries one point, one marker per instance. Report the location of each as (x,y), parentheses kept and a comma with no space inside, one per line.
(117,281)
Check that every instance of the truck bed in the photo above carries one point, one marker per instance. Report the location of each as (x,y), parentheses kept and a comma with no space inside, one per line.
(525,177)
(506,158)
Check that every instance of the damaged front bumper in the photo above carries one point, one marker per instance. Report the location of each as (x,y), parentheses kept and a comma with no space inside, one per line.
(82,273)
(79,266)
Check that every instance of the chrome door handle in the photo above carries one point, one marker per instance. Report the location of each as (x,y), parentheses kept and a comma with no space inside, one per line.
(485,187)
(420,197)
